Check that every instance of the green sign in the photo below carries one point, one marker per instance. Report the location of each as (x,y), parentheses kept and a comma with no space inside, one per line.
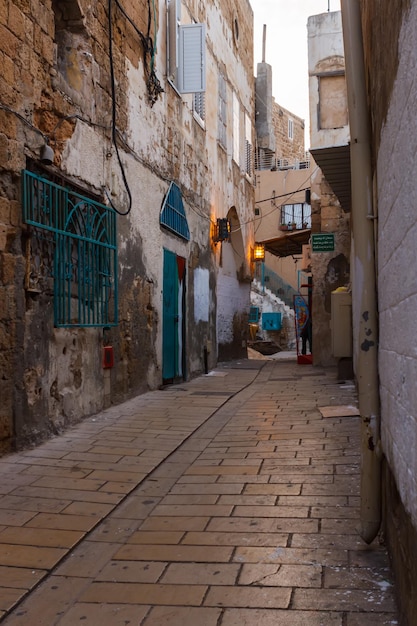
(322,242)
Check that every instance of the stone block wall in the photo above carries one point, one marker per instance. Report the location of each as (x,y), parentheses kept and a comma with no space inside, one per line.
(392,87)
(286,147)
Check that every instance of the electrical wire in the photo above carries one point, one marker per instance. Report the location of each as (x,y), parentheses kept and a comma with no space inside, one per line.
(283,195)
(78,117)
(25,121)
(152,82)
(114,116)
(288,195)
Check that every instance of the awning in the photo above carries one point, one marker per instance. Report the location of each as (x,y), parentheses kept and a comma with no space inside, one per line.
(334,162)
(288,243)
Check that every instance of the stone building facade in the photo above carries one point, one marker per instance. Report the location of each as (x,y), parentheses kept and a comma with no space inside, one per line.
(390,61)
(329,141)
(289,135)
(115,166)
(279,133)
(330,269)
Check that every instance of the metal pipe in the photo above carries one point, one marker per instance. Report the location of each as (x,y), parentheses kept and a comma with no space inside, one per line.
(364,296)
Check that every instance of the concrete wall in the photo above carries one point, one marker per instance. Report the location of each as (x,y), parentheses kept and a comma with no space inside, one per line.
(56,77)
(327,91)
(392,92)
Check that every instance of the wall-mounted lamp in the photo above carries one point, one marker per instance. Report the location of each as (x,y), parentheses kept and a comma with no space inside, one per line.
(222,230)
(259,252)
(46,155)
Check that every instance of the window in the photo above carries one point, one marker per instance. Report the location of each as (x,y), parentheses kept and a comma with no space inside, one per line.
(186,52)
(222,112)
(73,243)
(236,129)
(296,216)
(173,215)
(333,108)
(248,146)
(199,105)
(290,129)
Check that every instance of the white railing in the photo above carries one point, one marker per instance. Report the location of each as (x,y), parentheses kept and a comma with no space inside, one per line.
(266,160)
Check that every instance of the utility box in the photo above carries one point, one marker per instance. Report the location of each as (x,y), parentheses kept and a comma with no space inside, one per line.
(341,324)
(271,321)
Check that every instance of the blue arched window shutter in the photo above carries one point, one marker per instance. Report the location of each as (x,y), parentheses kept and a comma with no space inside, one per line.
(173,214)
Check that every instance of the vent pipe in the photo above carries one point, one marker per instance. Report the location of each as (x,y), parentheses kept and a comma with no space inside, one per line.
(364,296)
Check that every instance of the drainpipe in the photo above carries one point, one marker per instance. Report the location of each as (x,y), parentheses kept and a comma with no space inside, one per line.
(364,273)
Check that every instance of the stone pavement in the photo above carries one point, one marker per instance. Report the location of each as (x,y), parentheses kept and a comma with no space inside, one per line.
(224,501)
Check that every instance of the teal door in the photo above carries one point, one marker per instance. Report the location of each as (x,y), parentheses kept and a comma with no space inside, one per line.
(173,316)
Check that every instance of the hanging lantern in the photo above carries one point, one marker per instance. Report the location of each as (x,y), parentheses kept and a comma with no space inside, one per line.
(222,230)
(259,252)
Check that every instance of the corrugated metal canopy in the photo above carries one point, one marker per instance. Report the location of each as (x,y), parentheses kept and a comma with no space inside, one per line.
(334,162)
(289,243)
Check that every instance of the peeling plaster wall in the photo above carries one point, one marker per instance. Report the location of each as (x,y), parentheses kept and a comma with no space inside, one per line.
(56,75)
(233,301)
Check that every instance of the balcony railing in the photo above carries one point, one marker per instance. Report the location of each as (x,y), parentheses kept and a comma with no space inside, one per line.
(275,284)
(266,160)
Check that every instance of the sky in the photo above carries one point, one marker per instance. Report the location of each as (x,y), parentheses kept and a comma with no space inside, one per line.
(286,48)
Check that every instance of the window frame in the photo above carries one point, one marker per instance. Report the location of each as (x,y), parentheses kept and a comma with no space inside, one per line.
(290,129)
(248,147)
(236,129)
(83,237)
(298,213)
(222,111)
(186,52)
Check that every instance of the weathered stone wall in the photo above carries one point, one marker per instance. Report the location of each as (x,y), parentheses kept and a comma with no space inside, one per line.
(330,269)
(391,57)
(286,147)
(55,81)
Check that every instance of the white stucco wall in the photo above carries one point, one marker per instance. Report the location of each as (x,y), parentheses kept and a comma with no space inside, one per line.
(233,297)
(397,228)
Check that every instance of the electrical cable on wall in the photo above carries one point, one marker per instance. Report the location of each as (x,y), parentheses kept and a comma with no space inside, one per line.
(25,121)
(114,117)
(152,83)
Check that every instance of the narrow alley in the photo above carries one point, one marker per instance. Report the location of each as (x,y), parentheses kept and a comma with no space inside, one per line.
(231,499)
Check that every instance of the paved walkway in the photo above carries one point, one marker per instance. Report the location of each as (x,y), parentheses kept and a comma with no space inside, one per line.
(225,501)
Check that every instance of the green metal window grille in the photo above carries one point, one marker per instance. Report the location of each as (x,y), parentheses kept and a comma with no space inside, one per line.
(173,214)
(253,315)
(83,235)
